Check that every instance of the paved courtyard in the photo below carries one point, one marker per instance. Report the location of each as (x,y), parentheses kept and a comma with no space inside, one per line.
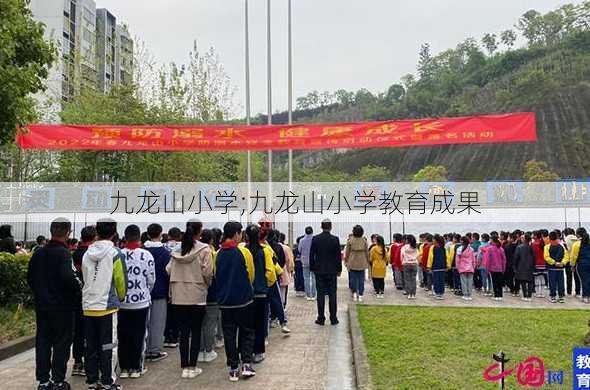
(311,358)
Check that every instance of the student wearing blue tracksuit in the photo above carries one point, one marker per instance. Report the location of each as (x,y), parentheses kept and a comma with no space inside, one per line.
(580,260)
(265,276)
(437,263)
(556,258)
(234,276)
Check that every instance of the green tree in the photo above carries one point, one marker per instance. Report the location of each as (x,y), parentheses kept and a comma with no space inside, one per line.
(24,61)
(508,38)
(373,173)
(425,61)
(538,171)
(395,93)
(431,173)
(531,26)
(490,43)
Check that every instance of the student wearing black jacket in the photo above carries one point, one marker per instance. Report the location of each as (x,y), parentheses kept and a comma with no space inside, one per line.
(524,267)
(56,291)
(325,261)
(87,235)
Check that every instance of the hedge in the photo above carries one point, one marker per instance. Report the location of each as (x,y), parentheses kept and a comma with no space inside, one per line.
(13,279)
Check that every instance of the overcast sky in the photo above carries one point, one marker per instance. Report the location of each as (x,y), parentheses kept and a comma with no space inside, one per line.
(348,44)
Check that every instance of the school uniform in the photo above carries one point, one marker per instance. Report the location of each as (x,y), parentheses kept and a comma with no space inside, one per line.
(437,262)
(234,276)
(581,262)
(555,253)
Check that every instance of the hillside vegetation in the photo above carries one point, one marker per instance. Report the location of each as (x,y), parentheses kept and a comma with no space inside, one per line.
(550,75)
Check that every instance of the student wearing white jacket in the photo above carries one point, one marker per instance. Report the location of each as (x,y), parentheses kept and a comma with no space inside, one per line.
(105,276)
(132,329)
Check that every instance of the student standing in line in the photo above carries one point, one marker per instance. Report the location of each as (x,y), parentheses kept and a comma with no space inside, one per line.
(234,276)
(396,262)
(171,330)
(87,235)
(132,325)
(265,276)
(299,280)
(581,262)
(308,276)
(105,286)
(484,275)
(207,353)
(475,244)
(438,265)
(378,262)
(571,276)
(509,246)
(540,266)
(409,256)
(56,292)
(424,251)
(465,264)
(159,307)
(190,271)
(495,262)
(288,269)
(356,258)
(556,258)
(524,267)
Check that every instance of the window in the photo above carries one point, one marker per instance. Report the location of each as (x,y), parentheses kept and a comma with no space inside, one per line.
(87,35)
(89,16)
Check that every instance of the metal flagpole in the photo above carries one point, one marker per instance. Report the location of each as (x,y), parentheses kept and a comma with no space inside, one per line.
(248,154)
(290,110)
(269,92)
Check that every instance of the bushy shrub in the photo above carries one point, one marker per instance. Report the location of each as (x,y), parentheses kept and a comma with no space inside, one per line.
(13,279)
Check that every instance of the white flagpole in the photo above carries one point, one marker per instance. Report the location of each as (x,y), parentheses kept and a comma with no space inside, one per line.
(247,60)
(269,93)
(290,110)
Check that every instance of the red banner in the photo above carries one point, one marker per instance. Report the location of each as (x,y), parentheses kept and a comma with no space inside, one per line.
(519,127)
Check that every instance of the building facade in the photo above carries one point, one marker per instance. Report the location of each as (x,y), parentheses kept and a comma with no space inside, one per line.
(94,52)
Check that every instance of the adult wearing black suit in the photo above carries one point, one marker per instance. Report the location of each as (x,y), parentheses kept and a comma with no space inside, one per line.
(325,261)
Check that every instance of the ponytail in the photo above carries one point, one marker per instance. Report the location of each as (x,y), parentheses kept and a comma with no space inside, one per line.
(193,229)
(583,235)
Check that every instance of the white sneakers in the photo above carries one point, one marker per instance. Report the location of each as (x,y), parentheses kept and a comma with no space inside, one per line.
(190,373)
(207,357)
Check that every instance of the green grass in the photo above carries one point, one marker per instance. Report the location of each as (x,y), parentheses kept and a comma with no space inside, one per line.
(449,348)
(13,326)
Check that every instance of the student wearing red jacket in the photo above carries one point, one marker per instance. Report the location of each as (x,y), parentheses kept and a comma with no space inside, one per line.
(396,261)
(540,265)
(424,252)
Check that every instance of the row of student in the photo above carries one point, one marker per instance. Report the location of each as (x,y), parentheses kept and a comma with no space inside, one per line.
(109,294)
(532,261)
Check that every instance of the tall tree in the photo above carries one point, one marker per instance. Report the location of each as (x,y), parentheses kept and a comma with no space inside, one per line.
(24,61)
(508,38)
(490,43)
